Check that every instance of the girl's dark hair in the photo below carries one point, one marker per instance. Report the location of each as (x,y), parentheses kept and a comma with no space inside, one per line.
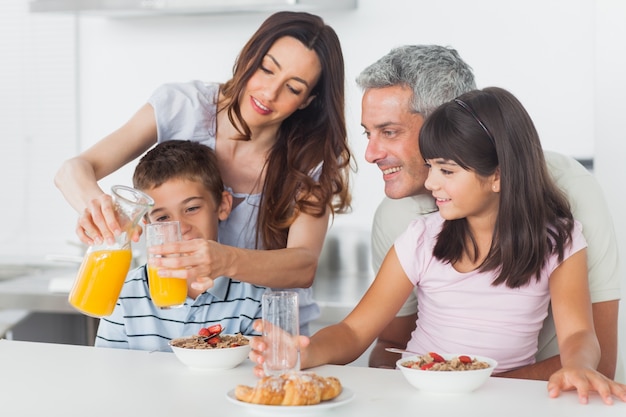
(483,131)
(179,159)
(306,139)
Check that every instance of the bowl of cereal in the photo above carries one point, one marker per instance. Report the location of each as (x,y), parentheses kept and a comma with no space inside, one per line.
(446,373)
(211,352)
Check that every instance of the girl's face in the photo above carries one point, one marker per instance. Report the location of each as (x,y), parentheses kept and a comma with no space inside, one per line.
(460,193)
(281,85)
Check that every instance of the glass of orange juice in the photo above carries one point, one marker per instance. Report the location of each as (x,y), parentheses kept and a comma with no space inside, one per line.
(166,292)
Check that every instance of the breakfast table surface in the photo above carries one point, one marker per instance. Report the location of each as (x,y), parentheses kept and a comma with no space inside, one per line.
(71,380)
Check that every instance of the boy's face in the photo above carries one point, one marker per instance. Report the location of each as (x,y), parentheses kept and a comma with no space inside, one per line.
(192,205)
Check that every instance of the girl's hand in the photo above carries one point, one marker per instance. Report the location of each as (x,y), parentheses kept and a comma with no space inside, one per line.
(585,381)
(258,347)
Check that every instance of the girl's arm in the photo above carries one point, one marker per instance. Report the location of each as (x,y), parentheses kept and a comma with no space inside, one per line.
(78,177)
(344,342)
(578,345)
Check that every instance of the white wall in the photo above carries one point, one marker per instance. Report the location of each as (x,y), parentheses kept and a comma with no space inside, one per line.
(610,134)
(37,116)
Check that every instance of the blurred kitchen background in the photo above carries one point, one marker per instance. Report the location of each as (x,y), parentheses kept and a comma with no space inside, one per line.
(67,79)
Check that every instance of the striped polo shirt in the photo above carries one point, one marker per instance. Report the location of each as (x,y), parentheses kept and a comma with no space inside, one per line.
(136,323)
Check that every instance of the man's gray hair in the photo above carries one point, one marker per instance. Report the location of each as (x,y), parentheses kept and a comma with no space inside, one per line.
(436,74)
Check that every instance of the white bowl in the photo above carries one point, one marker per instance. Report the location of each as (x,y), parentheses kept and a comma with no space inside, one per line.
(212,359)
(450,382)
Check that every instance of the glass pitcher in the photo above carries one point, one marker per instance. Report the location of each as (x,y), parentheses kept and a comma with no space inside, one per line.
(103,270)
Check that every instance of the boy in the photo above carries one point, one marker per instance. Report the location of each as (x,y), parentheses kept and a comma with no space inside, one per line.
(183,179)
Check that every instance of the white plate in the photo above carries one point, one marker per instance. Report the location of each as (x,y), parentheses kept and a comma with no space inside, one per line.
(345,397)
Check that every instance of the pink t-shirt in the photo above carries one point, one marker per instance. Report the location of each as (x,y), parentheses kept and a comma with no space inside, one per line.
(462,312)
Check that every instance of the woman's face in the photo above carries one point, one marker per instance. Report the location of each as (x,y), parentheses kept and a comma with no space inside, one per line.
(281,85)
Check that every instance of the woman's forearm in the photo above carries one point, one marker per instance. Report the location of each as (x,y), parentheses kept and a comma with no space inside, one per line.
(291,267)
(77,182)
(280,268)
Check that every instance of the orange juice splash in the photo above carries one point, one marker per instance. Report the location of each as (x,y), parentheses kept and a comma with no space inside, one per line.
(166,292)
(99,281)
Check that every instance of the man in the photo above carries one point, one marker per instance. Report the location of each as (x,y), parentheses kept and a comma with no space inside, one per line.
(400,90)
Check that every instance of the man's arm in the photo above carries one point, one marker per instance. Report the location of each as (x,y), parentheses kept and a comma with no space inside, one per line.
(605,316)
(605,322)
(396,334)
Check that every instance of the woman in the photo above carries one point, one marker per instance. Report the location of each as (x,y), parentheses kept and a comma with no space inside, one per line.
(278,130)
(501,248)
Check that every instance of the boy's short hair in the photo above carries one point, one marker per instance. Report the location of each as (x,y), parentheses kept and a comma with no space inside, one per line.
(179,159)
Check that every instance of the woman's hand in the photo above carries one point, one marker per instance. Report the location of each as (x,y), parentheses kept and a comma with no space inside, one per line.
(258,346)
(98,223)
(585,380)
(199,261)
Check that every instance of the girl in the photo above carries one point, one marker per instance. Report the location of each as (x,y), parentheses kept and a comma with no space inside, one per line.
(502,246)
(278,130)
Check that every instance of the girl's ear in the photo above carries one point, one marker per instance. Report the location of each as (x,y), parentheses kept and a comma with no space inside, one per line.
(223,211)
(495,182)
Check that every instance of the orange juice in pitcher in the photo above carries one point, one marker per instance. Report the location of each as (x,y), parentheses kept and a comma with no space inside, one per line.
(103,271)
(100,281)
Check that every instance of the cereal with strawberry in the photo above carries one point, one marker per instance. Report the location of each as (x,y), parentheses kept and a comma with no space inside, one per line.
(210,338)
(435,362)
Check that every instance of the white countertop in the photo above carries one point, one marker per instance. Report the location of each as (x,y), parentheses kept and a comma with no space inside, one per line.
(67,380)
(44,290)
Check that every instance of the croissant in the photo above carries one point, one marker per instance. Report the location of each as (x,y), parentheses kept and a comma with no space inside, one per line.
(290,389)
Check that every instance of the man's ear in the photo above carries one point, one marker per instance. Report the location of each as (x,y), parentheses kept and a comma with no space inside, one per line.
(307,102)
(223,211)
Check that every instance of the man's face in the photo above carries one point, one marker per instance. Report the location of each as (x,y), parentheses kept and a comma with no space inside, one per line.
(393,134)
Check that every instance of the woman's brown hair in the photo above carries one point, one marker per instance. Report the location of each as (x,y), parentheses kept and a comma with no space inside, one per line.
(311,138)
